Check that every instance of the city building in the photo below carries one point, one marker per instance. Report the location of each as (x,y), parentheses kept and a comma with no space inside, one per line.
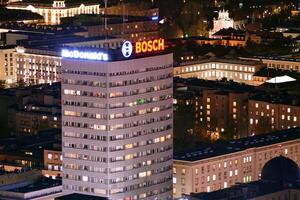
(222,165)
(133,28)
(53,11)
(7,65)
(269,113)
(280,180)
(38,110)
(222,112)
(42,189)
(215,69)
(53,162)
(40,61)
(222,22)
(117,121)
(292,64)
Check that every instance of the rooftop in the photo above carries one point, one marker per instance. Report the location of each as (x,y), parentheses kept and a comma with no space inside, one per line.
(76,196)
(233,146)
(48,3)
(42,183)
(244,191)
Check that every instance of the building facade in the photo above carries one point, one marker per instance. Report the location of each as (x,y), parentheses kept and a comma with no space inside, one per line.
(117,127)
(213,69)
(241,161)
(279,63)
(37,66)
(221,113)
(52,163)
(266,116)
(7,65)
(128,30)
(43,65)
(52,13)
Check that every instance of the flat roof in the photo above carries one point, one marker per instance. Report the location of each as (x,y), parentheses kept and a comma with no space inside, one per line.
(41,184)
(233,146)
(76,196)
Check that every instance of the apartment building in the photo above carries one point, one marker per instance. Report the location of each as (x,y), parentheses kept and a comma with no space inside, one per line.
(117,123)
(221,166)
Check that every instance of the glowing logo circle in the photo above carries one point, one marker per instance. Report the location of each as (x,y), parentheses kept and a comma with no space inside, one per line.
(127,49)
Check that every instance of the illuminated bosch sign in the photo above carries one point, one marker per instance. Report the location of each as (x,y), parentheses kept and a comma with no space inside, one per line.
(142,47)
(150,46)
(87,55)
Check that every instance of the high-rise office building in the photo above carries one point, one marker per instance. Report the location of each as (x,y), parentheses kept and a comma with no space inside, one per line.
(117,122)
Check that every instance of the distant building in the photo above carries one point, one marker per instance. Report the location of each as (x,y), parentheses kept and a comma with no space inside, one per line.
(292,64)
(53,11)
(37,111)
(214,167)
(215,69)
(222,22)
(133,28)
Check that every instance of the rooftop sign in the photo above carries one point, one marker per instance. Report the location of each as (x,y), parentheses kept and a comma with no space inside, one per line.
(87,55)
(142,47)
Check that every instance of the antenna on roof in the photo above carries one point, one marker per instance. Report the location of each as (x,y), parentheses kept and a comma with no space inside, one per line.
(105,19)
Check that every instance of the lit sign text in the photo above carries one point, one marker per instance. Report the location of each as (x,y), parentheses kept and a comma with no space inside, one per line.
(66,53)
(149,46)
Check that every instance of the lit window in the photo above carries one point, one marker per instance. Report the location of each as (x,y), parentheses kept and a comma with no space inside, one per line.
(234,103)
(208,189)
(85,178)
(295,118)
(214,177)
(225,164)
(288,110)
(196,171)
(282,117)
(230,173)
(251,121)
(183,171)
(174,170)
(256,105)
(50,156)
(208,178)
(236,172)
(174,190)
(174,180)
(142,174)
(225,184)
(285,151)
